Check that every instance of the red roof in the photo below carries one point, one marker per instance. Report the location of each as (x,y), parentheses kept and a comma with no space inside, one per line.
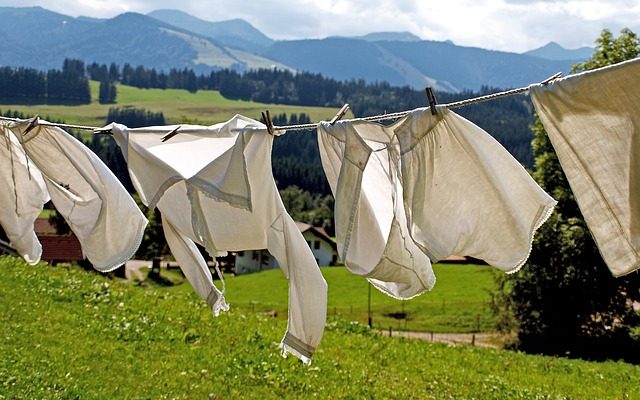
(43,227)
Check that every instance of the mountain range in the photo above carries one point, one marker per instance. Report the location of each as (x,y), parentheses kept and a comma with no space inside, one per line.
(164,39)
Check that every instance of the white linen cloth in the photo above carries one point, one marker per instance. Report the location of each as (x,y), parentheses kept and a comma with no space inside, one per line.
(98,209)
(427,185)
(593,122)
(464,193)
(22,196)
(214,186)
(361,163)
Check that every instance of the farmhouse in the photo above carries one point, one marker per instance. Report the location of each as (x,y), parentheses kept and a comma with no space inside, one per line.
(322,246)
(55,247)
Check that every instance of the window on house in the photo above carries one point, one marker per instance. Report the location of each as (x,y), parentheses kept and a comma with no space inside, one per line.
(316,244)
(240,254)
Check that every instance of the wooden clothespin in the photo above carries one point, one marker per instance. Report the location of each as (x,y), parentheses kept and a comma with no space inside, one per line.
(340,114)
(170,134)
(552,78)
(32,124)
(432,100)
(267,121)
(102,131)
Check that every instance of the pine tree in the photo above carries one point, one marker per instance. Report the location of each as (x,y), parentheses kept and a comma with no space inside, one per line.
(107,93)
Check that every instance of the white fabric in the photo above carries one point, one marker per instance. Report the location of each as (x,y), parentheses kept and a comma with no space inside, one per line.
(214,186)
(464,193)
(22,196)
(461,191)
(361,163)
(593,121)
(99,211)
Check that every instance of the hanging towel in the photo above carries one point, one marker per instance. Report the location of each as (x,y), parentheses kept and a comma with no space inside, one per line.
(593,122)
(22,196)
(361,163)
(98,209)
(214,186)
(464,193)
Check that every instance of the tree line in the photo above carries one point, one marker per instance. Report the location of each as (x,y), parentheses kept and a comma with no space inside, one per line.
(507,119)
(70,84)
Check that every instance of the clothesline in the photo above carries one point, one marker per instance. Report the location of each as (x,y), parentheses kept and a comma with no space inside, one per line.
(313,126)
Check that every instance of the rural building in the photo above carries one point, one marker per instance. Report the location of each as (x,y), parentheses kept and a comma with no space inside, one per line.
(57,248)
(322,246)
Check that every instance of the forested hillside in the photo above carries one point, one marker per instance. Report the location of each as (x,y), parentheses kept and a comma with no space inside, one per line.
(296,159)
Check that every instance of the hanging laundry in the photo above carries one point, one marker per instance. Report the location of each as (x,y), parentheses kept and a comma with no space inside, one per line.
(445,184)
(22,197)
(214,186)
(361,163)
(99,211)
(593,123)
(464,193)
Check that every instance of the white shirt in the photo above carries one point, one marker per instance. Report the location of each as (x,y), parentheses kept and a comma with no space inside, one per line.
(98,209)
(424,188)
(214,186)
(593,122)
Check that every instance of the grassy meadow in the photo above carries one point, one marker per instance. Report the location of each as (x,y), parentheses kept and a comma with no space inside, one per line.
(457,303)
(178,106)
(70,334)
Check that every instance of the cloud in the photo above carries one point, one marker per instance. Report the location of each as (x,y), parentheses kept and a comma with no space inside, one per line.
(511,25)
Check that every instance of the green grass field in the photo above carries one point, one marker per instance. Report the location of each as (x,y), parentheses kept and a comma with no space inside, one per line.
(71,334)
(458,302)
(178,106)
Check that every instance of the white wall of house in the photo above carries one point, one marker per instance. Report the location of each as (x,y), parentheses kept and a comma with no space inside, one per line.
(321,249)
(253,261)
(257,260)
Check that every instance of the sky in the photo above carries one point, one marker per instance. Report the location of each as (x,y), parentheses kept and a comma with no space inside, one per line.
(507,25)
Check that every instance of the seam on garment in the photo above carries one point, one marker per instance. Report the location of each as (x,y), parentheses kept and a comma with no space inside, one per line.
(161,190)
(546,213)
(213,192)
(298,345)
(426,287)
(352,216)
(7,138)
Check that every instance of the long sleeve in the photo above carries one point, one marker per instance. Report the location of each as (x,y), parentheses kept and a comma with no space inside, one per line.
(194,268)
(22,197)
(98,209)
(307,288)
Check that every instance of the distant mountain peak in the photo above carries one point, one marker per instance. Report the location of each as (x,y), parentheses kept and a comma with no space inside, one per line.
(390,37)
(236,33)
(554,51)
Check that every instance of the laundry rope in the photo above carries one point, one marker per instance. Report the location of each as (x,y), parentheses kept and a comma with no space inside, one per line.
(313,126)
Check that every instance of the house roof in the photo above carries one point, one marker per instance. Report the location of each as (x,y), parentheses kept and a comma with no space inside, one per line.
(43,227)
(318,231)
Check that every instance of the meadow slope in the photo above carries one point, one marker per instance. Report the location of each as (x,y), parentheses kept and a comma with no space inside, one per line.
(68,333)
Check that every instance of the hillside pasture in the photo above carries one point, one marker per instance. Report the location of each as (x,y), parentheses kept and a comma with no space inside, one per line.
(68,333)
(178,106)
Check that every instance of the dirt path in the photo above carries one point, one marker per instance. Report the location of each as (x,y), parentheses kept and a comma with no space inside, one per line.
(489,340)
